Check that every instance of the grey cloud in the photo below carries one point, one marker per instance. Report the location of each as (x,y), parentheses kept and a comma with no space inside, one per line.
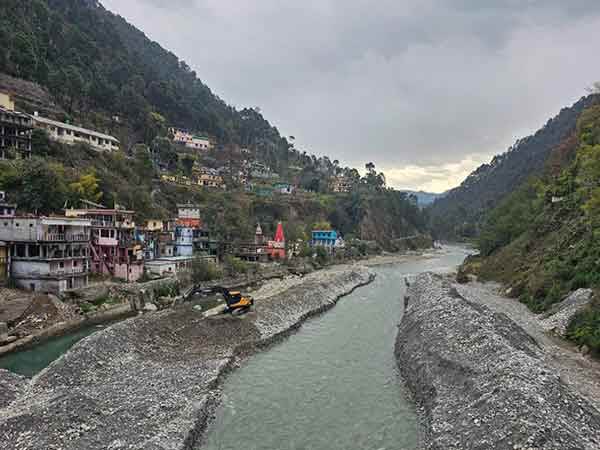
(404,83)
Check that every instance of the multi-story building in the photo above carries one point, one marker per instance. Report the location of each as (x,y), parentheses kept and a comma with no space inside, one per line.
(15,129)
(69,134)
(326,238)
(207,177)
(190,140)
(188,215)
(115,251)
(47,254)
(4,263)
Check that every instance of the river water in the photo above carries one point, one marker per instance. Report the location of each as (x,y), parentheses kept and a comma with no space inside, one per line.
(333,385)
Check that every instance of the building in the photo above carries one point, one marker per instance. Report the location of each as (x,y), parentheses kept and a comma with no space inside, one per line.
(115,250)
(284,188)
(190,140)
(207,177)
(69,134)
(170,266)
(188,215)
(324,238)
(276,247)
(47,254)
(184,241)
(15,129)
(262,171)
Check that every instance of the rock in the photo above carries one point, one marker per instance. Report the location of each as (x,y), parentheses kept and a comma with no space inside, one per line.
(150,307)
(584,350)
(3,328)
(6,339)
(558,318)
(482,381)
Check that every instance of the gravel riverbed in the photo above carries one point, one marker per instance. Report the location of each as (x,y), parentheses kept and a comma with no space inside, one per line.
(482,371)
(152,382)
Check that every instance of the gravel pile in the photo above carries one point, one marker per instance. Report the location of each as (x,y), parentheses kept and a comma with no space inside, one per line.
(152,382)
(483,382)
(558,318)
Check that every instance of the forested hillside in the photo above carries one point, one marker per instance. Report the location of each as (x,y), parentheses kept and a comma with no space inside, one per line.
(461,212)
(543,240)
(100,72)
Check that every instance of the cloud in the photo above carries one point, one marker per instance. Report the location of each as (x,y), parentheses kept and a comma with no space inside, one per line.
(433,178)
(413,83)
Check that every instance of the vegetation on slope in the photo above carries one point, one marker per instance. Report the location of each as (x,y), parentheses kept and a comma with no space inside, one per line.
(461,213)
(543,240)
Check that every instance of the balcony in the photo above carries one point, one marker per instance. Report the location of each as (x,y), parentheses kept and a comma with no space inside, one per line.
(68,272)
(65,237)
(106,242)
(103,223)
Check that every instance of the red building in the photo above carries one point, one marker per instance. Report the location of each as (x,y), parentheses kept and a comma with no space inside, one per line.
(276,247)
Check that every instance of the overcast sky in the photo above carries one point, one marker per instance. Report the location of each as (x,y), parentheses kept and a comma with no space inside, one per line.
(426,89)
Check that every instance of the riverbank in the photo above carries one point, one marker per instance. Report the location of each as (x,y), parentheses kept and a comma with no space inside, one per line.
(152,382)
(482,381)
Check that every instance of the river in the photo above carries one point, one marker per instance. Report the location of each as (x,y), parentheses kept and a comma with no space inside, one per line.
(333,385)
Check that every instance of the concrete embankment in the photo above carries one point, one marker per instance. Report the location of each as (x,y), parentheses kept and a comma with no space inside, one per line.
(152,382)
(483,382)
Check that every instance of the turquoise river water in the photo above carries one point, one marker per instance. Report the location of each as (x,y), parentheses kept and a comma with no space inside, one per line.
(333,385)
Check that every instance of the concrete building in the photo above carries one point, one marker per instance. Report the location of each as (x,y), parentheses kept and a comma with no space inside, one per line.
(70,134)
(15,129)
(47,254)
(207,177)
(115,251)
(190,140)
(324,238)
(171,266)
(188,215)
(184,241)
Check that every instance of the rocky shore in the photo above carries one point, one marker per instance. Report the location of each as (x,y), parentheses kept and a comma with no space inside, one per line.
(152,382)
(481,381)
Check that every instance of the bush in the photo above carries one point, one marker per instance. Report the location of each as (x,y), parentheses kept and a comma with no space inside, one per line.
(584,329)
(236,265)
(203,270)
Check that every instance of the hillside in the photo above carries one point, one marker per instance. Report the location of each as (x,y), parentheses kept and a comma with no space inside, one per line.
(74,60)
(464,209)
(543,241)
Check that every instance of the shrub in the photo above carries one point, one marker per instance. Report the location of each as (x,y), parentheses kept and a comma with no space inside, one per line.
(203,270)
(584,328)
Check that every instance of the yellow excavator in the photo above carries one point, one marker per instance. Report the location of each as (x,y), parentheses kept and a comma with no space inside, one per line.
(237,304)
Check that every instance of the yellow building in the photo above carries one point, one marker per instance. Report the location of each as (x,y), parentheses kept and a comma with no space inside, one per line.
(169,178)
(6,102)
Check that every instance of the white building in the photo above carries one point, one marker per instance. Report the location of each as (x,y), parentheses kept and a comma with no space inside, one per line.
(70,134)
(190,140)
(170,266)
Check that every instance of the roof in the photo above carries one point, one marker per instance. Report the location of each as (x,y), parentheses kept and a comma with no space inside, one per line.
(107,212)
(15,113)
(169,260)
(74,128)
(203,138)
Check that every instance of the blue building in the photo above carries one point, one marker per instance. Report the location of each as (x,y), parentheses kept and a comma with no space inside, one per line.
(324,238)
(184,241)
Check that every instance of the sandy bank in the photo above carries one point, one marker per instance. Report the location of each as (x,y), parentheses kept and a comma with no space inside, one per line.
(151,382)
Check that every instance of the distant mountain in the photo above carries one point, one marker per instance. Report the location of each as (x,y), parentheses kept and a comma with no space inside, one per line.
(463,210)
(425,198)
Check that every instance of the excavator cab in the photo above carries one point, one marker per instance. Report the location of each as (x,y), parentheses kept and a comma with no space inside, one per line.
(236,302)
